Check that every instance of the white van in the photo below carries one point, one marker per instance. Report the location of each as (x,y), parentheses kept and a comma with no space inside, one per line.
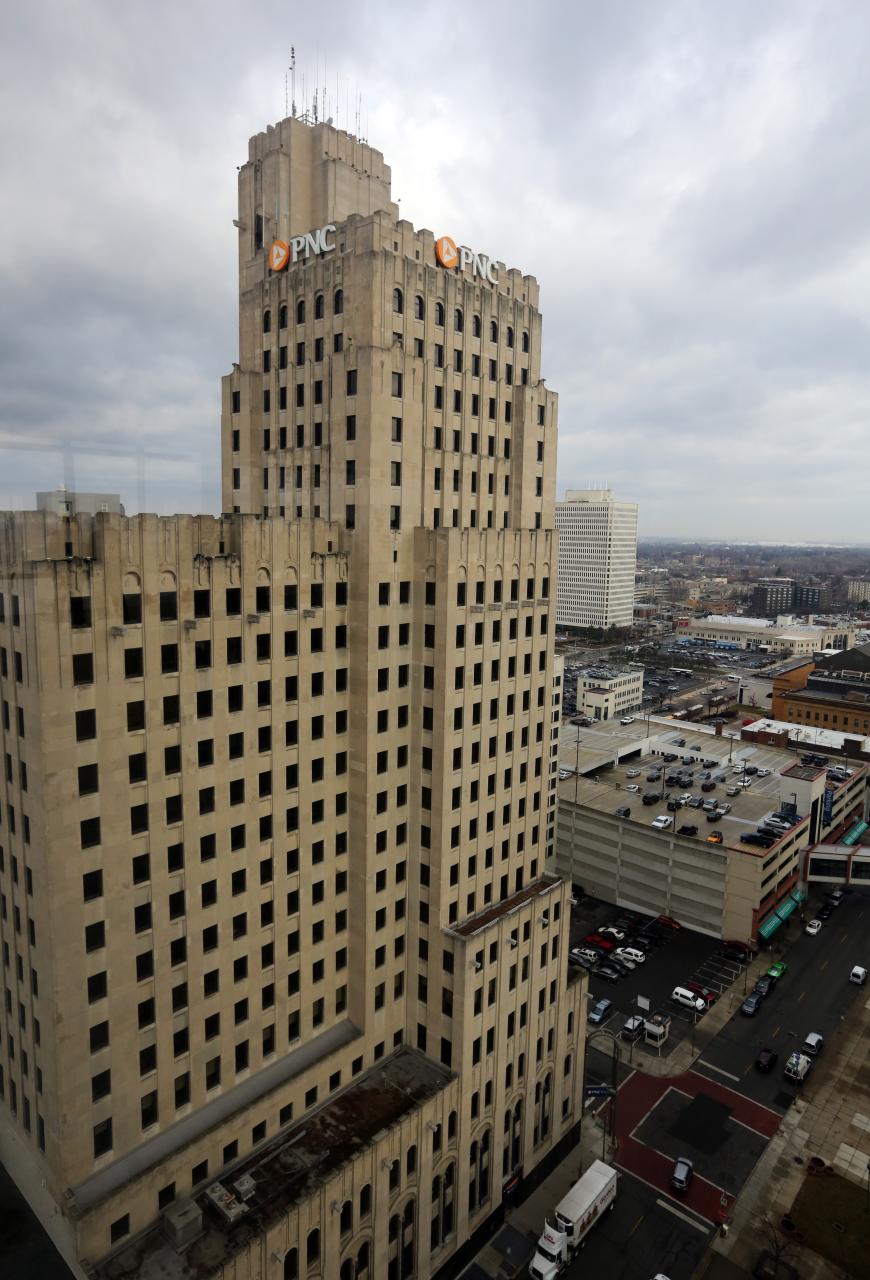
(688,999)
(630,953)
(858,975)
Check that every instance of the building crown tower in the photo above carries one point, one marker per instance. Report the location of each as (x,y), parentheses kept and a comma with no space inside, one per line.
(292,986)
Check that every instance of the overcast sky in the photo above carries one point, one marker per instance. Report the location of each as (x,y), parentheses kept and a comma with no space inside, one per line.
(688,181)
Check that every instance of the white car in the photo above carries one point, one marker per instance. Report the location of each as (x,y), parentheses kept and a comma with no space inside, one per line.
(563,774)
(632,773)
(813,928)
(738,768)
(627,720)
(764,773)
(632,786)
(631,954)
(662,822)
(744,782)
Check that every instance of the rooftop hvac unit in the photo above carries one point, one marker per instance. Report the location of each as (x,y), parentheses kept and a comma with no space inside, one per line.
(245,1186)
(182,1224)
(226,1203)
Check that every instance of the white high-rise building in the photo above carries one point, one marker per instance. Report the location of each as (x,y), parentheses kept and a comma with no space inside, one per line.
(597,559)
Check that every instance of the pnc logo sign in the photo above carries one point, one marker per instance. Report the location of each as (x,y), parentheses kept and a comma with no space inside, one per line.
(452,256)
(279,255)
(320,241)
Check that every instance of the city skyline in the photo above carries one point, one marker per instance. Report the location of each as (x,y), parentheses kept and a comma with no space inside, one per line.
(704,320)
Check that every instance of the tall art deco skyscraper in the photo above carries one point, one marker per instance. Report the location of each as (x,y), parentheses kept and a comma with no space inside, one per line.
(286,987)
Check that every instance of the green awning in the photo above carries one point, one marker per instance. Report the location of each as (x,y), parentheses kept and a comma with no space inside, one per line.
(855,834)
(785,909)
(770,926)
(799,896)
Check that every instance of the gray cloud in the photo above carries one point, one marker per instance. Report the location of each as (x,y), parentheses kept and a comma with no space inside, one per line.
(686,181)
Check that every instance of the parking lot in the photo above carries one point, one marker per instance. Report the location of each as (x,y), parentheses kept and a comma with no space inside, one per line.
(674,958)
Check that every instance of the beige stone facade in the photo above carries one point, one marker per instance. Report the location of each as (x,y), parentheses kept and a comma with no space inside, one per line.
(279,784)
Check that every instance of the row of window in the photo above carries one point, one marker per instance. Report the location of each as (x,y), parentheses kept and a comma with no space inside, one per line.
(398,309)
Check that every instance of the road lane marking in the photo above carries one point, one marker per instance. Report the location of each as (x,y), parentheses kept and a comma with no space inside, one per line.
(637,1224)
(702,1062)
(678,1213)
(801,996)
(823,965)
(777,1030)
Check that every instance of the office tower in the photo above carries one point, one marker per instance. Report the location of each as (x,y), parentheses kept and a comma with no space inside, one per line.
(772,596)
(286,980)
(597,560)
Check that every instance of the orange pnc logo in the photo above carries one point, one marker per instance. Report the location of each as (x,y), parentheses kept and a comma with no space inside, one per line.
(279,255)
(446,252)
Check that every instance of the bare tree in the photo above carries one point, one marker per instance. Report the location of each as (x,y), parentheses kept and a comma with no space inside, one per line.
(780,1247)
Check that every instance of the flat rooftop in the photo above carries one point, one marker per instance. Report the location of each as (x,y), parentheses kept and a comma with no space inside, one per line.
(809,734)
(804,772)
(475,923)
(289,1167)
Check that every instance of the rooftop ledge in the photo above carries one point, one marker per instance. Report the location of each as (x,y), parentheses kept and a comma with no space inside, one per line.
(474,924)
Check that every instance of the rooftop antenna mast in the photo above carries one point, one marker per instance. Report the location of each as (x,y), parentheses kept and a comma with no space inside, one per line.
(293,78)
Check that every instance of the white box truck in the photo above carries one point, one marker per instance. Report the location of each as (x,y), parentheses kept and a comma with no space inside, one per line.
(575,1216)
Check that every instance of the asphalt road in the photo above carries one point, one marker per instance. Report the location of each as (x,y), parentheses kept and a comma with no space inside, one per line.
(643,1236)
(814,995)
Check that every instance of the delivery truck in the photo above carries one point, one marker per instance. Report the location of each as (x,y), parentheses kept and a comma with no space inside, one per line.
(575,1216)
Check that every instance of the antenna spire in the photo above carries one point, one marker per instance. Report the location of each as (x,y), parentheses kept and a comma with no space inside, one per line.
(293,78)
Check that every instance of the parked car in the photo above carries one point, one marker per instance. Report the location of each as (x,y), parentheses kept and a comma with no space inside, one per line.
(669,757)
(777,970)
(627,720)
(663,822)
(612,931)
(600,1010)
(732,791)
(596,940)
(825,911)
(608,972)
(734,945)
(706,993)
(813,1045)
(708,786)
(763,986)
(813,928)
(623,811)
(751,1004)
(715,837)
(667,922)
(682,1175)
(632,1028)
(632,773)
(687,830)
(766,1060)
(632,954)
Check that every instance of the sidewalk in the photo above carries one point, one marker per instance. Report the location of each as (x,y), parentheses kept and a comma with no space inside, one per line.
(528,1217)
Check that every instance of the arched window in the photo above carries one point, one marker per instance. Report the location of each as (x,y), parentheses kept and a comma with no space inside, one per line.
(362,1261)
(282,316)
(419,308)
(312,1250)
(318,306)
(300,311)
(267,322)
(525,339)
(439,313)
(345,1222)
(338,302)
(451,1126)
(571,1023)
(457,320)
(291,1265)
(475,325)
(398,301)
(346,1272)
(493,331)
(510,336)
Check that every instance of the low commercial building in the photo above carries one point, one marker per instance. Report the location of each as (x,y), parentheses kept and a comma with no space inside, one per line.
(606,846)
(832,693)
(605,692)
(780,636)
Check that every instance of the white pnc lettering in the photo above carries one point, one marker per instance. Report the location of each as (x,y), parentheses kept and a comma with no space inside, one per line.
(480,264)
(313,242)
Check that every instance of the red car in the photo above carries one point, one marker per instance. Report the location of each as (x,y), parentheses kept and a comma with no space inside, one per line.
(706,994)
(739,946)
(667,923)
(596,940)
